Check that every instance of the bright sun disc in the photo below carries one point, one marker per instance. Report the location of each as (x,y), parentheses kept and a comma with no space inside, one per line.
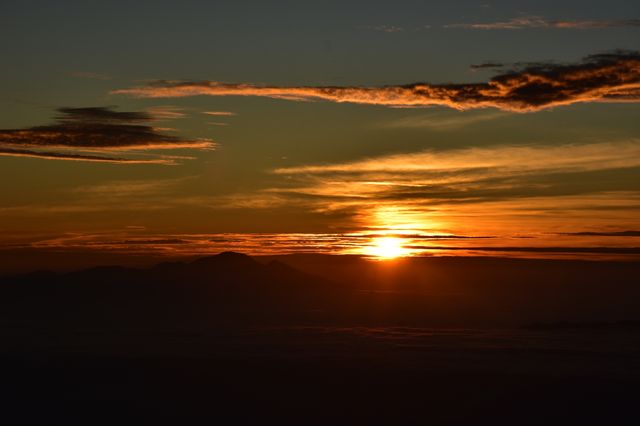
(387,247)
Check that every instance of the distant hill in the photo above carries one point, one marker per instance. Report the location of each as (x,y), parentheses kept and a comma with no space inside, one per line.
(235,289)
(228,286)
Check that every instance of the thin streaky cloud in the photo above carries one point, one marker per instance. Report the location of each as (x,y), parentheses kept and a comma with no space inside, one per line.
(481,189)
(486,65)
(443,122)
(279,243)
(5,152)
(537,22)
(631,233)
(165,112)
(130,188)
(79,134)
(383,28)
(585,157)
(466,175)
(220,113)
(552,249)
(610,77)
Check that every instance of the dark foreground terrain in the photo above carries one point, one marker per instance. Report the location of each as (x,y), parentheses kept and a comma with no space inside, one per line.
(324,340)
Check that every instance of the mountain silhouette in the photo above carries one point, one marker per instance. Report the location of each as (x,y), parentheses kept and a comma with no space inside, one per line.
(308,339)
(225,287)
(236,289)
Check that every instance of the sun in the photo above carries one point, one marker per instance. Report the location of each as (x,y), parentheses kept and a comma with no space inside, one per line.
(387,248)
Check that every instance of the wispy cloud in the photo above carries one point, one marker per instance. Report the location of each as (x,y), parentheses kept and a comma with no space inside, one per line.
(111,190)
(167,112)
(604,234)
(139,195)
(90,75)
(81,133)
(502,159)
(537,22)
(524,249)
(486,65)
(6,152)
(383,28)
(484,190)
(443,121)
(219,113)
(612,77)
(394,29)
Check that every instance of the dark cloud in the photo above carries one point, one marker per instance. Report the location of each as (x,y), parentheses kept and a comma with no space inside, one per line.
(507,249)
(93,129)
(161,241)
(610,77)
(604,234)
(425,236)
(100,115)
(486,65)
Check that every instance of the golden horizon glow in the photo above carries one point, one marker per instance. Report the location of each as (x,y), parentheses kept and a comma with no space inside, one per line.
(387,248)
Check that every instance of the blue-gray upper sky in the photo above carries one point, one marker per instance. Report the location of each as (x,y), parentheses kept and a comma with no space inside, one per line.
(286,42)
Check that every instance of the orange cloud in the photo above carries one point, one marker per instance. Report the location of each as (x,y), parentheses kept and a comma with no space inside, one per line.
(499,160)
(489,190)
(613,77)
(4,152)
(219,113)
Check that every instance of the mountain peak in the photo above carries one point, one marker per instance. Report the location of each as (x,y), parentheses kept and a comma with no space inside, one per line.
(226,258)
(232,255)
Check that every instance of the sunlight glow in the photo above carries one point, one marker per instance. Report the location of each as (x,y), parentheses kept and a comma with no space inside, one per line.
(387,248)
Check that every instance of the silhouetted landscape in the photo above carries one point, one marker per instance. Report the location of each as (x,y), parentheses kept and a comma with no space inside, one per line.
(317,339)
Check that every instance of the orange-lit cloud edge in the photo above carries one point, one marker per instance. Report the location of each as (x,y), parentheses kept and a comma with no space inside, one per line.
(611,77)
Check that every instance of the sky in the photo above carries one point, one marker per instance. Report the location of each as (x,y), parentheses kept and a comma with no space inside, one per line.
(408,127)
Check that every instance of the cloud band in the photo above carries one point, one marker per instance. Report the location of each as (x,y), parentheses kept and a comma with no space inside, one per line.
(612,77)
(81,132)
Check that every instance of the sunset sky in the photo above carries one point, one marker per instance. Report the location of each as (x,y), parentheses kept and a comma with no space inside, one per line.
(507,128)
